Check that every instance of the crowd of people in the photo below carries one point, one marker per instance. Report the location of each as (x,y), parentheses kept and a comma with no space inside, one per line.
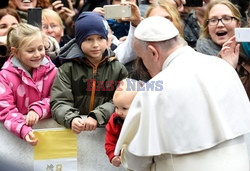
(191,99)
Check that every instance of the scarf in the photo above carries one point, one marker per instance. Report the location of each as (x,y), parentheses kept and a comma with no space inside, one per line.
(246,48)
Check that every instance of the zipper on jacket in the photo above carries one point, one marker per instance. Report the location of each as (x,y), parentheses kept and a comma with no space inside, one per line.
(92,97)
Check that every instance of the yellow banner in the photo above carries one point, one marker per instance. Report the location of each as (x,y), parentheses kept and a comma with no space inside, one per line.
(55,143)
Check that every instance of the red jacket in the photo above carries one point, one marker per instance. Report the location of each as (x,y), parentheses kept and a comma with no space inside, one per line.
(113,129)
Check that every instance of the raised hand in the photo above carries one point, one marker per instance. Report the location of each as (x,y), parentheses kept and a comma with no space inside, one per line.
(230,52)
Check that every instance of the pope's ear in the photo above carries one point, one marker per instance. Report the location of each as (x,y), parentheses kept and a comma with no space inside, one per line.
(153,52)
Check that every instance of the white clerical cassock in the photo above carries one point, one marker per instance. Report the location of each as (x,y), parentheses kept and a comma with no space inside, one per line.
(202,104)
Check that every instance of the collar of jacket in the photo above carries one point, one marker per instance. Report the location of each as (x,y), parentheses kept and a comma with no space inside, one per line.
(72,51)
(16,63)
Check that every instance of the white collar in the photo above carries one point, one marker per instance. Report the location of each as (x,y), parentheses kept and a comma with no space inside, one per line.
(173,55)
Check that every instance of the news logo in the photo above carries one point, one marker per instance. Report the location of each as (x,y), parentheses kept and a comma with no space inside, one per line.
(132,85)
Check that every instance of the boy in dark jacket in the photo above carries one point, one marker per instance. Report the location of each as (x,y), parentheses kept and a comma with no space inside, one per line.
(86,82)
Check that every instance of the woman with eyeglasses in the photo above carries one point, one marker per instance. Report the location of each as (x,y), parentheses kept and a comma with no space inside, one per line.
(220,20)
(238,55)
(217,37)
(52,25)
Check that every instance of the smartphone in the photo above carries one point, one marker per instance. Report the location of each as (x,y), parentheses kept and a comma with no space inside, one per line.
(35,17)
(64,2)
(116,11)
(242,34)
(145,2)
(4,3)
(194,3)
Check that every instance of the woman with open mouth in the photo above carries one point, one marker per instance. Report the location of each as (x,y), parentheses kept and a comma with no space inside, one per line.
(217,35)
(22,6)
(220,20)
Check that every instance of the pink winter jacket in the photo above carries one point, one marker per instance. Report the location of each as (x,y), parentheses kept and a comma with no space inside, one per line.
(19,93)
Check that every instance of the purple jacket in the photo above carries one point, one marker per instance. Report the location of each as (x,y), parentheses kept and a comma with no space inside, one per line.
(21,92)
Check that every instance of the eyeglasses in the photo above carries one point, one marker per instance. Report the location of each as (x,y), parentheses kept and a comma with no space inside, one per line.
(225,20)
(52,26)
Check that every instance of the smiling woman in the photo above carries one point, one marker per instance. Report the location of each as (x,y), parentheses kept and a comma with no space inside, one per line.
(22,6)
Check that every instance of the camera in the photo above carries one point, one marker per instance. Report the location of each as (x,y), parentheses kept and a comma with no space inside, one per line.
(116,11)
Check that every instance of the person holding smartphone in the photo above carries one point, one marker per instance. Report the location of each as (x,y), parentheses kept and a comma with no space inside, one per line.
(125,51)
(192,17)
(67,13)
(22,6)
(239,58)
(220,19)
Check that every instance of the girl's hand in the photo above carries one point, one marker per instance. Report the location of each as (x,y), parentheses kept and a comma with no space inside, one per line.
(31,139)
(230,51)
(32,118)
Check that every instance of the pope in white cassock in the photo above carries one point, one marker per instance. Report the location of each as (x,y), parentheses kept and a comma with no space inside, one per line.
(196,121)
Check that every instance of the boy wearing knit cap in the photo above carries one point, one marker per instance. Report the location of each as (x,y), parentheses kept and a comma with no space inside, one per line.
(86,81)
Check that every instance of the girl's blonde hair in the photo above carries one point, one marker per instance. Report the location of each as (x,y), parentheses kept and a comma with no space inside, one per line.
(233,8)
(21,35)
(171,9)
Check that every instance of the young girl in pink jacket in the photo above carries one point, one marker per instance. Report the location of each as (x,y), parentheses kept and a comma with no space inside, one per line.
(25,82)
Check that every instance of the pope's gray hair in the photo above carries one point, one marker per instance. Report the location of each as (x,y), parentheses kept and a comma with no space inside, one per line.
(165,44)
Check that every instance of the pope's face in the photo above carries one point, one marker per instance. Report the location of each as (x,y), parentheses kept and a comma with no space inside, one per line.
(145,54)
